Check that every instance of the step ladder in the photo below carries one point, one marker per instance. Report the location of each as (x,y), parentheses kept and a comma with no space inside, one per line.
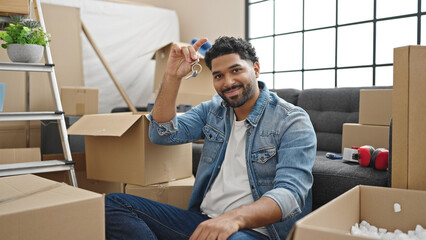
(49,67)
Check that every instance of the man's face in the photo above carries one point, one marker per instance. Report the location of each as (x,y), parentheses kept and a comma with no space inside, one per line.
(235,79)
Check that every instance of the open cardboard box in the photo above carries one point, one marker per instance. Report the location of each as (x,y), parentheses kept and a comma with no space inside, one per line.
(334,220)
(118,149)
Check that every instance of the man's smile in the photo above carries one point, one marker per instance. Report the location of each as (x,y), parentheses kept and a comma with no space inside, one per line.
(232,91)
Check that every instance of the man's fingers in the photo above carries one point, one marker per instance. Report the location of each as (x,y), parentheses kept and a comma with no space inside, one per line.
(199,43)
(187,53)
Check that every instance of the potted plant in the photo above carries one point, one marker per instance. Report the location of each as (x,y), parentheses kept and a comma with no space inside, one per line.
(24,40)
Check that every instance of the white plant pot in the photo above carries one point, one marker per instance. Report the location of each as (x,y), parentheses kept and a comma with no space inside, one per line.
(28,53)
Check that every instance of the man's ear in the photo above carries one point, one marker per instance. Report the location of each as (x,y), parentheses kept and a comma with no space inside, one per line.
(256,68)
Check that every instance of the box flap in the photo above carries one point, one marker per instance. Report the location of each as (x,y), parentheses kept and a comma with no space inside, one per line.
(180,44)
(115,124)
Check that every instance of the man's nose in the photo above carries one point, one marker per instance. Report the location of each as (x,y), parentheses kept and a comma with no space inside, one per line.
(229,81)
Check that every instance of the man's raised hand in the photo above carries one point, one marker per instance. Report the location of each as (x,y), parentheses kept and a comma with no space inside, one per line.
(181,57)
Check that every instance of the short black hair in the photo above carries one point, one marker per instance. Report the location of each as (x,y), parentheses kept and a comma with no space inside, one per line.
(227,45)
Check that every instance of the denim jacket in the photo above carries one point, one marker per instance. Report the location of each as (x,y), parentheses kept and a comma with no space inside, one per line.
(280,151)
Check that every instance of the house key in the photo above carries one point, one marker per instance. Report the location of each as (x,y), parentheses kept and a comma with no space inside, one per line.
(195,72)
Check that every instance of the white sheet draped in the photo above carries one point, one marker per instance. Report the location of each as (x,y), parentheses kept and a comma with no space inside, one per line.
(127,36)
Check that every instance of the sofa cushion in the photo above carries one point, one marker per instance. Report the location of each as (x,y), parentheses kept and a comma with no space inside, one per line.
(334,177)
(289,94)
(329,109)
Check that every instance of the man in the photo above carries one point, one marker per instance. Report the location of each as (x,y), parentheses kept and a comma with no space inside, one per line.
(255,172)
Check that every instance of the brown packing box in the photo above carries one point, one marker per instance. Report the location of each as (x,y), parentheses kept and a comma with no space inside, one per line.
(19,155)
(14,134)
(81,175)
(118,149)
(176,193)
(78,101)
(36,208)
(192,99)
(409,112)
(334,220)
(375,106)
(356,135)
(200,86)
(9,7)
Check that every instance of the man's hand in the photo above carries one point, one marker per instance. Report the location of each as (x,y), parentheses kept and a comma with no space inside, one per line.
(178,65)
(180,59)
(217,228)
(260,213)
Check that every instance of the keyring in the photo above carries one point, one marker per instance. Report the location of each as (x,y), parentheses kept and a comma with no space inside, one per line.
(195,72)
(196,64)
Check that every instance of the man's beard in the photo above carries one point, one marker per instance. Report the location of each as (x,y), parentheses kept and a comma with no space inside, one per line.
(237,101)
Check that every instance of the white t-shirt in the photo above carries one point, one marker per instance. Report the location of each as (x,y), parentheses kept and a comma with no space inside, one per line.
(231,188)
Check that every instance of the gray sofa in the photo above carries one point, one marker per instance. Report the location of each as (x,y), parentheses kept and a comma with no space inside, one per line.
(328,110)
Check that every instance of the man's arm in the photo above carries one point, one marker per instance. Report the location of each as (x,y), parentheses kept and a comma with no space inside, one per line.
(178,65)
(260,213)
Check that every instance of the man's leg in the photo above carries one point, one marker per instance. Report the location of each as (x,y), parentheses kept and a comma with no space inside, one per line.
(247,234)
(130,217)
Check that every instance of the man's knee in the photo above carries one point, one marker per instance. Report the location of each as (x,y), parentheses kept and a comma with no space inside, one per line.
(114,199)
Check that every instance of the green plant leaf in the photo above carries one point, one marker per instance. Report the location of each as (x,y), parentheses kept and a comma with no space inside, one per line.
(24,32)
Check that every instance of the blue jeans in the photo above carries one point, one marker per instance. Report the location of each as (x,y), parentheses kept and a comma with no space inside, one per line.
(130,217)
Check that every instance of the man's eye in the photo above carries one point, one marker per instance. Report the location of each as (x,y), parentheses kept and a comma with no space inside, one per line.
(236,70)
(218,76)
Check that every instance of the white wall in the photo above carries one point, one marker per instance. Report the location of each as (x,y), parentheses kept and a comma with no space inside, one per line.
(205,18)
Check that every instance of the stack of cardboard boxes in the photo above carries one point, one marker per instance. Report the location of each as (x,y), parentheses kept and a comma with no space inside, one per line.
(76,102)
(375,112)
(32,207)
(377,205)
(118,150)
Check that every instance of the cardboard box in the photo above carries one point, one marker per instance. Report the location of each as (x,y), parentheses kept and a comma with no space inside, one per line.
(19,134)
(375,106)
(8,7)
(36,208)
(78,101)
(176,193)
(118,149)
(192,99)
(202,85)
(81,175)
(19,155)
(409,111)
(333,221)
(356,135)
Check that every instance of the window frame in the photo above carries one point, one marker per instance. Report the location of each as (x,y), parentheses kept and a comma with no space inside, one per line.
(336,27)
